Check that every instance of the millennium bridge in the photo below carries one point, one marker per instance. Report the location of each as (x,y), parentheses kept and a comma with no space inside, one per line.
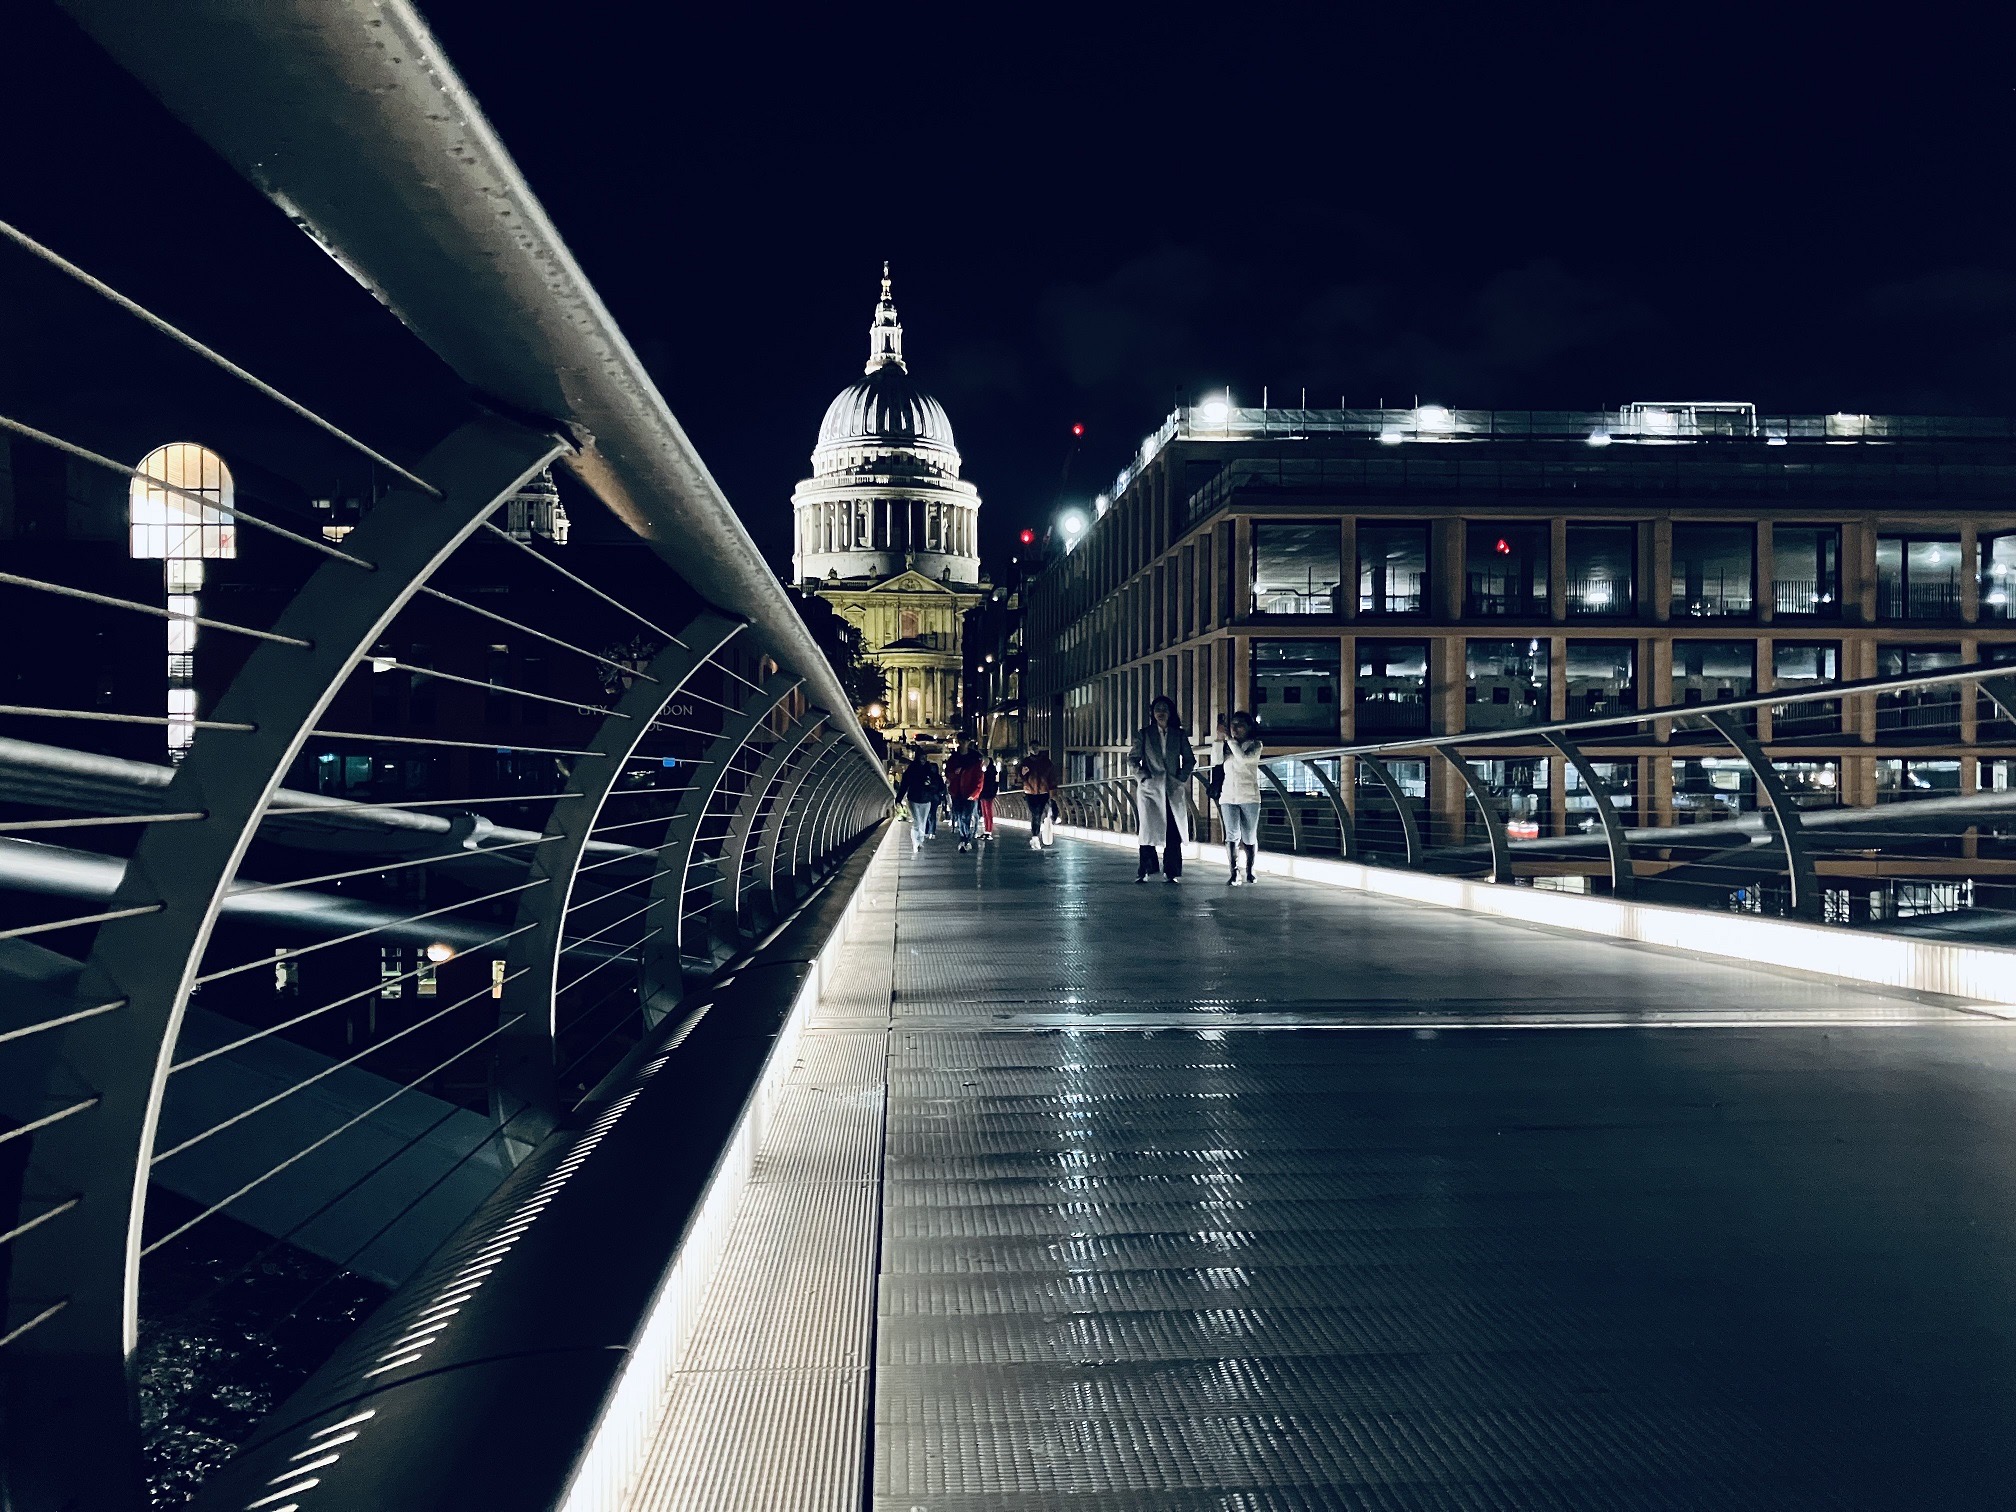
(545,1065)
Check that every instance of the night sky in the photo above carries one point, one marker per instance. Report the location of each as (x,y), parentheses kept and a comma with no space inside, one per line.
(1090,214)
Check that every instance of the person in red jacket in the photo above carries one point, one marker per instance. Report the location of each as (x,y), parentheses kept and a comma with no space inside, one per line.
(965,776)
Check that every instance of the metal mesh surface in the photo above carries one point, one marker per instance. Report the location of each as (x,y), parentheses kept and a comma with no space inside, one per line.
(1154,1235)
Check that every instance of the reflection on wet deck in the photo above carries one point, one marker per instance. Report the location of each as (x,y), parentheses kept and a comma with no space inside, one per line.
(1281,1199)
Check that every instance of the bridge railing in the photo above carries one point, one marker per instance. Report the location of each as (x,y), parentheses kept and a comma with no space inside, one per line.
(1885,802)
(364,808)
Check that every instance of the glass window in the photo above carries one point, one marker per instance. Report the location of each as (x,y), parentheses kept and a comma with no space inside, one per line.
(1392,567)
(1620,782)
(1378,826)
(1905,781)
(1918,713)
(1602,569)
(1917,577)
(1713,566)
(1806,570)
(1998,577)
(1296,568)
(1295,689)
(1709,672)
(1505,569)
(1602,677)
(1519,791)
(1797,665)
(1991,724)
(1504,683)
(1811,784)
(1712,788)
(1392,689)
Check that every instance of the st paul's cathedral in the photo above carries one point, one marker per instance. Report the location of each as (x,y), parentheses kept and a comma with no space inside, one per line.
(888,533)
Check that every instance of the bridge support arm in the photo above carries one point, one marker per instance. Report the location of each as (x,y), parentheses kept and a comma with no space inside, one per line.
(71,1422)
(1494,822)
(1804,881)
(1410,831)
(1287,803)
(523,1087)
(1623,879)
(1347,831)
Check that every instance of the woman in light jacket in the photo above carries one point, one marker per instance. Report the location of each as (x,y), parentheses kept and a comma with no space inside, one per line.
(1162,762)
(1236,752)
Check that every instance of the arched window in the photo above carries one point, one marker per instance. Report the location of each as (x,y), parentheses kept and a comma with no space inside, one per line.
(165,522)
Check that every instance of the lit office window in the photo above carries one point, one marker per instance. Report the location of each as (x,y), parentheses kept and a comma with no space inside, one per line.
(1929,713)
(1806,570)
(1805,664)
(1708,672)
(1505,569)
(1520,792)
(1602,677)
(1620,784)
(1713,570)
(1811,784)
(1392,568)
(1908,781)
(1379,827)
(1296,568)
(1391,697)
(1504,683)
(1712,788)
(178,508)
(1602,570)
(1998,577)
(1917,577)
(1295,689)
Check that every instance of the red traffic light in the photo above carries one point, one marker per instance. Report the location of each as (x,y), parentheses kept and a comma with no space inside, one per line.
(1504,547)
(1078,429)
(1028,538)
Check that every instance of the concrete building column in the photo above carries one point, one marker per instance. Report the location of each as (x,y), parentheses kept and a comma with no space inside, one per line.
(1557,570)
(1445,568)
(1767,577)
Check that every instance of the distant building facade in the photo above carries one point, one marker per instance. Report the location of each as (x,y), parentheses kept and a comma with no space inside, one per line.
(1359,575)
(887,532)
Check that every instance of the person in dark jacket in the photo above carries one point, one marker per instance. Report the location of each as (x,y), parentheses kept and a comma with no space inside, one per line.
(1162,761)
(937,799)
(917,789)
(990,784)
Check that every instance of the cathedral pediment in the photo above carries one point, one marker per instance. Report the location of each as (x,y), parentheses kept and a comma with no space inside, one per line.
(915,582)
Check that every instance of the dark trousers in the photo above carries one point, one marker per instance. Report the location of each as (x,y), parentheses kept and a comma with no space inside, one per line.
(1172,852)
(1037,802)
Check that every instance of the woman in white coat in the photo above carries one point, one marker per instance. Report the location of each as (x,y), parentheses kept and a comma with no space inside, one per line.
(1163,763)
(1236,752)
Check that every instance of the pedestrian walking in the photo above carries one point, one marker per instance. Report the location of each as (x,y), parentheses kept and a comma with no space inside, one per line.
(990,784)
(965,774)
(1163,762)
(1039,780)
(915,789)
(1235,753)
(937,799)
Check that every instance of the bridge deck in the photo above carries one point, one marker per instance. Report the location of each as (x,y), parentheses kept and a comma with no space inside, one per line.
(1277,1199)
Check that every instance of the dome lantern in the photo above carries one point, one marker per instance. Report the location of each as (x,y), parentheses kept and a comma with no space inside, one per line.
(885,333)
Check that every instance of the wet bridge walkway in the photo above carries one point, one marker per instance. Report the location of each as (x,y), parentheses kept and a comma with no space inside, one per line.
(1102,1196)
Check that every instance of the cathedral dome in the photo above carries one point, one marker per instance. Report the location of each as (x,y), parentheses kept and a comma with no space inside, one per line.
(885,408)
(885,418)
